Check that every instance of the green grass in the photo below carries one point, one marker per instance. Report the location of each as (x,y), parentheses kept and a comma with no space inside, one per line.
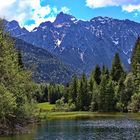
(45,106)
(46,111)
(83,115)
(88,115)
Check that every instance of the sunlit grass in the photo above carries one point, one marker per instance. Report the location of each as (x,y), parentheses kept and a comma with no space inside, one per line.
(46,111)
(45,106)
(89,115)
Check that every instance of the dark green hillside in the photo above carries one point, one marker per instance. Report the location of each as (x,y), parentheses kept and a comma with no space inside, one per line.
(45,66)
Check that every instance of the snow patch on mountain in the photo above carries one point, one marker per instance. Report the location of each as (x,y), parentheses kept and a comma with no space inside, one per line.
(116,42)
(58,42)
(129,61)
(82,56)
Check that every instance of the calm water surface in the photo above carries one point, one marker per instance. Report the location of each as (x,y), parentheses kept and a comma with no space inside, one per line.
(84,130)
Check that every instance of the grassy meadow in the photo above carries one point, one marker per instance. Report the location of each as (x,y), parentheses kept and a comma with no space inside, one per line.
(47,111)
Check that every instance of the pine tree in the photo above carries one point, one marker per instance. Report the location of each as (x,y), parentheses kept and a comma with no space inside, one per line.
(91,81)
(97,74)
(45,95)
(73,89)
(102,93)
(94,98)
(53,93)
(135,60)
(110,101)
(20,62)
(117,69)
(120,92)
(83,98)
(135,64)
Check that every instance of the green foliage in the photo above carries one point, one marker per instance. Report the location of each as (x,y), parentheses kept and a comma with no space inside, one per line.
(135,60)
(97,74)
(54,93)
(73,89)
(16,87)
(95,98)
(117,69)
(7,105)
(134,105)
(105,90)
(62,106)
(20,62)
(83,97)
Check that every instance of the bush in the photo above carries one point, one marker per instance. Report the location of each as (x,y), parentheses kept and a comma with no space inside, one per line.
(7,105)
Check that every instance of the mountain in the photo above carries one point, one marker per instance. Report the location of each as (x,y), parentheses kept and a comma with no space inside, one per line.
(45,66)
(83,44)
(15,29)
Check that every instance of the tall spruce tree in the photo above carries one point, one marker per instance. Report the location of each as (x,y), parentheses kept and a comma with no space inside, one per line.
(110,101)
(97,74)
(95,97)
(135,67)
(91,81)
(135,64)
(117,70)
(102,93)
(83,94)
(20,62)
(73,89)
(135,60)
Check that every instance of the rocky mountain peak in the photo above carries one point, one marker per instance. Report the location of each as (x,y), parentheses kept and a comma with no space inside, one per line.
(63,18)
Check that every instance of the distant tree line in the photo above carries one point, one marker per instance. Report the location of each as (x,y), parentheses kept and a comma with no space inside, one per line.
(106,90)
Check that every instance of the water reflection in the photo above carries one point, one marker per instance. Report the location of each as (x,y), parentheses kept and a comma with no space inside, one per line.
(89,130)
(85,130)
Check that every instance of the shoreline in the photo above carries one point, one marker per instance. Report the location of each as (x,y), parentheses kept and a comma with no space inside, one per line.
(87,115)
(77,115)
(17,129)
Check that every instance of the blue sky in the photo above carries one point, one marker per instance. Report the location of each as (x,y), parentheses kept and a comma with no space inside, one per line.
(30,13)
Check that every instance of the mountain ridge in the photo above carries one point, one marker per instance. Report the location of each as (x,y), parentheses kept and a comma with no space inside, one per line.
(44,66)
(83,44)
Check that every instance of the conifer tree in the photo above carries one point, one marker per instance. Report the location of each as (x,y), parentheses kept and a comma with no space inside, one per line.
(94,98)
(135,60)
(102,93)
(83,94)
(117,69)
(91,81)
(135,64)
(73,89)
(97,74)
(20,62)
(53,93)
(110,101)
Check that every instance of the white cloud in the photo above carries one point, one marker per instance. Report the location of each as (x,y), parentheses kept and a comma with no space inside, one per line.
(127,5)
(6,3)
(24,10)
(65,9)
(131,8)
(99,3)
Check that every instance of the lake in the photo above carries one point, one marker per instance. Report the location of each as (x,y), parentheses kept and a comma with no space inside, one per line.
(98,129)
